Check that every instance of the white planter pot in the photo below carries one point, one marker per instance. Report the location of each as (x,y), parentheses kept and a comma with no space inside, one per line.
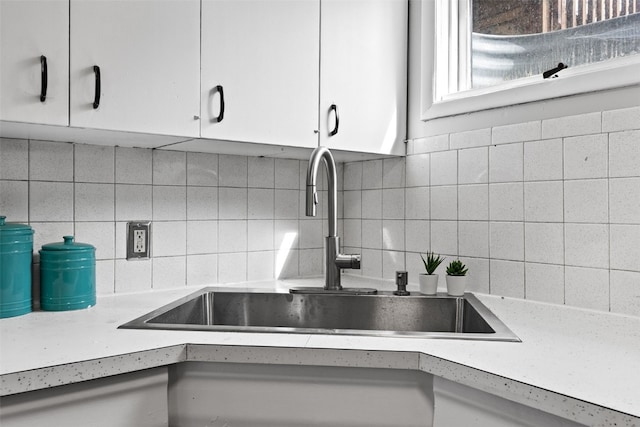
(428,284)
(456,285)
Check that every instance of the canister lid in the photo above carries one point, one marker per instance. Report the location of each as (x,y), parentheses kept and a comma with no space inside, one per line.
(13,228)
(67,245)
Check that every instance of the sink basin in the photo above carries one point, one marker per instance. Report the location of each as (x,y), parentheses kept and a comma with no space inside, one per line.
(382,314)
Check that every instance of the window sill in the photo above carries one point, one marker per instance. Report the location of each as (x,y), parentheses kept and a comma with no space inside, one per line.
(620,73)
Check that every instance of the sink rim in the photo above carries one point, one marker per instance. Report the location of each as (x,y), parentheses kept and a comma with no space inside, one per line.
(501,331)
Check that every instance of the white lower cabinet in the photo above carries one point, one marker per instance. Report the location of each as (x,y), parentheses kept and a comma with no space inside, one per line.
(459,405)
(135,399)
(227,394)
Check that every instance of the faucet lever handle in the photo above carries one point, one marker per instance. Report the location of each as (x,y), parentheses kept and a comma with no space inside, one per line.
(315,197)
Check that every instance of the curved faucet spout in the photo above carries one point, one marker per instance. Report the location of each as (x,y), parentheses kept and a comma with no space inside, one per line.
(318,155)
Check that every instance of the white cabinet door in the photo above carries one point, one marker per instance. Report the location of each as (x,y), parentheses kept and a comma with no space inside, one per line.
(148,54)
(30,30)
(260,60)
(363,74)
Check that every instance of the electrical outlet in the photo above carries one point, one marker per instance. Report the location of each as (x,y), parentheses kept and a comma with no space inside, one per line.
(138,240)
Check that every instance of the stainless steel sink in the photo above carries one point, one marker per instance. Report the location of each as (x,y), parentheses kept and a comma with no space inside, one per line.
(382,314)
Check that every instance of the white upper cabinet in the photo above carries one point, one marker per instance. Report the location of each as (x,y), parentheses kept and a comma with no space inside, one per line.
(144,57)
(363,75)
(260,70)
(34,61)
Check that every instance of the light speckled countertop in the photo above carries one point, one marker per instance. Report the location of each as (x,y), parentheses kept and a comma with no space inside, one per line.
(571,362)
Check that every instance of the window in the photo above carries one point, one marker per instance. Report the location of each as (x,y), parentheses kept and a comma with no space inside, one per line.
(493,53)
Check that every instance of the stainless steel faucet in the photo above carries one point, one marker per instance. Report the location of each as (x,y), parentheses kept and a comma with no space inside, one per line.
(334,260)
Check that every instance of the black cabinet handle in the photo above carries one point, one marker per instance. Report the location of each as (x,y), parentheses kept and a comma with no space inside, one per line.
(334,108)
(220,90)
(96,97)
(44,78)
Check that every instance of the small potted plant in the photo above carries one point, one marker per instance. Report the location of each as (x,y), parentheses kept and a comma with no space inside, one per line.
(429,281)
(456,278)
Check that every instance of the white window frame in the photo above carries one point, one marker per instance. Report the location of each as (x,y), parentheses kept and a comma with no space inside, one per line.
(444,23)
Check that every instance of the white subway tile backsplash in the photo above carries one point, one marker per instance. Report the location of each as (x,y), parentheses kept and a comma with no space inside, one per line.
(202,203)
(352,204)
(544,201)
(393,235)
(286,204)
(310,262)
(586,157)
(581,124)
(473,166)
(261,172)
(478,275)
(623,119)
(586,201)
(418,170)
(14,200)
(14,159)
(260,265)
(444,237)
(506,202)
(286,235)
(371,174)
(99,234)
(202,237)
(444,203)
(587,245)
(506,240)
(232,236)
(169,167)
(133,202)
(372,204)
(507,278)
(544,242)
(105,277)
(372,236)
(519,132)
(133,276)
(232,203)
(624,154)
(544,282)
(625,292)
(287,174)
(133,166)
(232,267)
(50,161)
(169,272)
(393,203)
(587,287)
(260,235)
(473,202)
(94,163)
(417,203)
(473,239)
(169,203)
(232,171)
(50,201)
(352,233)
(353,176)
(506,163)
(417,237)
(202,270)
(392,261)
(49,232)
(169,238)
(260,203)
(625,247)
(310,234)
(371,263)
(444,168)
(94,202)
(429,145)
(624,200)
(202,169)
(393,173)
(543,160)
(473,138)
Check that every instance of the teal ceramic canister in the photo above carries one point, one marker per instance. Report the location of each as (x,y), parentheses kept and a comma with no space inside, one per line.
(16,250)
(67,275)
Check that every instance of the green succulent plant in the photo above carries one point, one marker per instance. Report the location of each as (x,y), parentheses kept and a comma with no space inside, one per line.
(432,262)
(456,268)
